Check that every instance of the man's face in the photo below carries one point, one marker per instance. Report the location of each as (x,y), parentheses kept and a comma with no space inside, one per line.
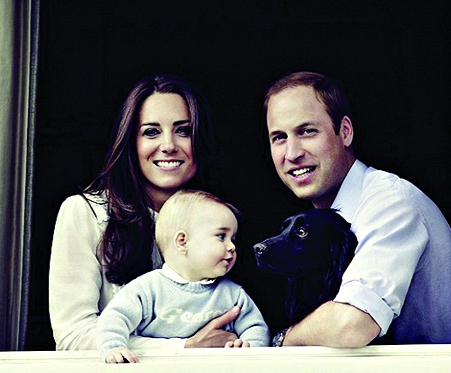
(309,157)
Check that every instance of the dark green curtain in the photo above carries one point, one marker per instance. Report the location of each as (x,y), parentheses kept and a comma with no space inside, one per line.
(18,68)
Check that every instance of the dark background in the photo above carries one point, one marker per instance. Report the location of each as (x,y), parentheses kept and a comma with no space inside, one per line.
(393,59)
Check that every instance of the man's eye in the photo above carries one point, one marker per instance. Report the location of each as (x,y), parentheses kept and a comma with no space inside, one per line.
(184,131)
(302,232)
(307,131)
(278,138)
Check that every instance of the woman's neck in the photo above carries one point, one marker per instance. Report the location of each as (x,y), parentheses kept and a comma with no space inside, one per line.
(158,198)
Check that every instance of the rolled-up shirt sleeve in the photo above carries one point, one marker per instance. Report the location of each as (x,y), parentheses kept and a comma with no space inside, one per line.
(392,237)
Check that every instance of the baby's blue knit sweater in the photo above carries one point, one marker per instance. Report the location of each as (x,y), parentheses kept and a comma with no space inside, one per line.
(161,304)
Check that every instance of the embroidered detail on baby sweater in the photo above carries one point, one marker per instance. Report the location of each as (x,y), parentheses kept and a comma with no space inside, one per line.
(172,315)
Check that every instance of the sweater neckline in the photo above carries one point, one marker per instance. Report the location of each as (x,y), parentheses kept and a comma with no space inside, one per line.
(167,271)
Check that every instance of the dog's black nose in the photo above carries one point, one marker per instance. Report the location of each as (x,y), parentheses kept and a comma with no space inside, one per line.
(260,248)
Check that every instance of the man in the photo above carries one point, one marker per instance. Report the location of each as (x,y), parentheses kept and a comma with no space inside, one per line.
(401,273)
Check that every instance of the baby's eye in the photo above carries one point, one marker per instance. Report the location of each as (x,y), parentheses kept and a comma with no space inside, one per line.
(184,131)
(221,236)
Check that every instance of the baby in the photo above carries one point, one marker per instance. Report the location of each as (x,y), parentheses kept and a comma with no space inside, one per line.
(195,232)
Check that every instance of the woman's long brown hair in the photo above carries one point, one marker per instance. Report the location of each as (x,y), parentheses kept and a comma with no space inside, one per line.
(128,241)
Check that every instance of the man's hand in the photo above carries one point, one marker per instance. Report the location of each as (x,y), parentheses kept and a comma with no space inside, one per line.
(121,355)
(212,335)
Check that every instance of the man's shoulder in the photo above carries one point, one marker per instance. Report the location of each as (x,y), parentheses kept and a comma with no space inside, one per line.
(383,184)
(389,193)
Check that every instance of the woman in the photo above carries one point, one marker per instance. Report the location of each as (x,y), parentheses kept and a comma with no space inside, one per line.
(104,237)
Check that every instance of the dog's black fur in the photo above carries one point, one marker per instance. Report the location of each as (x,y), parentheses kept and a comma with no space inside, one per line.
(313,250)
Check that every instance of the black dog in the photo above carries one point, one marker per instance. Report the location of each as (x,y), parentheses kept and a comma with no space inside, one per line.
(313,250)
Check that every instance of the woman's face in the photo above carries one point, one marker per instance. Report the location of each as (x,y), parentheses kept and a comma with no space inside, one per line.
(164,145)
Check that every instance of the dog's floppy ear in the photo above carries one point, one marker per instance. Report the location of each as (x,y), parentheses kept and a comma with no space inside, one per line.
(342,246)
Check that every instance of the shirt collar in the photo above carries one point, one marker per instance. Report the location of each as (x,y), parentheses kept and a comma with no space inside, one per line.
(349,194)
(174,276)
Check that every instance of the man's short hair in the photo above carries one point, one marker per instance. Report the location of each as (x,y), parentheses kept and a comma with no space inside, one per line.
(328,91)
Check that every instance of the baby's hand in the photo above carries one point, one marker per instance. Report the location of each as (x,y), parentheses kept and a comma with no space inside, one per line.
(121,355)
(237,343)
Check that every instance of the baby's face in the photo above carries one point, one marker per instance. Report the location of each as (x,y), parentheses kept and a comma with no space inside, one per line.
(211,248)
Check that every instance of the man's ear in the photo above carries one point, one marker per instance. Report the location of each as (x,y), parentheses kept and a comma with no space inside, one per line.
(181,242)
(347,131)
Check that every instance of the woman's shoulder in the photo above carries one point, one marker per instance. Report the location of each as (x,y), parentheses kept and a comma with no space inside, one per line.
(95,204)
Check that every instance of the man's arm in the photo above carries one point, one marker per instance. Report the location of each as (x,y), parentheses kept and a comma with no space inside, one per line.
(334,325)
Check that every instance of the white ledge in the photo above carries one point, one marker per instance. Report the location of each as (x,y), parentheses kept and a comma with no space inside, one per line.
(399,359)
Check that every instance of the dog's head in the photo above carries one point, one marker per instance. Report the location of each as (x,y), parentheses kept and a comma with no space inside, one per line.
(313,239)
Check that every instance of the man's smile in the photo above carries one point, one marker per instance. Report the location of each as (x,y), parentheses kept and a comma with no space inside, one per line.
(301,171)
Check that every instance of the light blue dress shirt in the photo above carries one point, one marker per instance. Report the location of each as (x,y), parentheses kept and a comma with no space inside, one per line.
(401,271)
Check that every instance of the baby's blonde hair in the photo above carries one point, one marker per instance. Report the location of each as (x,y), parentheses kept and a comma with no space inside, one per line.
(177,210)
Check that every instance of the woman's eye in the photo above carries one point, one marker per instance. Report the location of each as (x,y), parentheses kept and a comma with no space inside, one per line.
(184,131)
(151,132)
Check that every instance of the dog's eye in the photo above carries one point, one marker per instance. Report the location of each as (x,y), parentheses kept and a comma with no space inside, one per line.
(302,232)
